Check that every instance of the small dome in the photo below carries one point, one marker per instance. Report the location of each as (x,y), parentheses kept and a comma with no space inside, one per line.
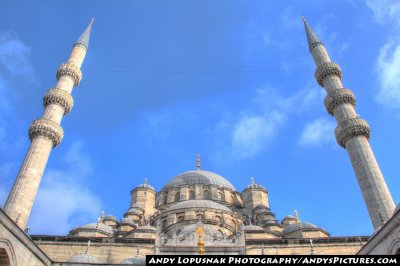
(145,185)
(128,222)
(289,217)
(134,211)
(188,204)
(198,177)
(98,226)
(252,227)
(83,258)
(110,217)
(299,226)
(136,261)
(254,186)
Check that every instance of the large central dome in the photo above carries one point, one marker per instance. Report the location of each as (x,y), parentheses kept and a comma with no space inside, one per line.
(198,177)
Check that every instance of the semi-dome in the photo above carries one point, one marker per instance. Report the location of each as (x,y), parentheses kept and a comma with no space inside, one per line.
(100,227)
(83,258)
(300,226)
(252,227)
(198,177)
(190,204)
(145,185)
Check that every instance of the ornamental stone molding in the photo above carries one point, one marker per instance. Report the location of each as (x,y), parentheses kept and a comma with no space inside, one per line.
(314,45)
(327,69)
(351,128)
(81,46)
(70,69)
(60,97)
(46,128)
(338,97)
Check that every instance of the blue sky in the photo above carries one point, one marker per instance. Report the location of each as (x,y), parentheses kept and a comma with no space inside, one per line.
(230,80)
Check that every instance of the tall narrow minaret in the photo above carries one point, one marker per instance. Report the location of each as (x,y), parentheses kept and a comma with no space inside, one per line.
(46,133)
(352,132)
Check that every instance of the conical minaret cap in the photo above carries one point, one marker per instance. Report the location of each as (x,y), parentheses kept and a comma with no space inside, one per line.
(312,38)
(85,36)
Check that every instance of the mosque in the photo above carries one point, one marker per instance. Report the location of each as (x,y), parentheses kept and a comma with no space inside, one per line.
(196,212)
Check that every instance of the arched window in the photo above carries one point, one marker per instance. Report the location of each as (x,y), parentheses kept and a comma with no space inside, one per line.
(177,196)
(180,219)
(4,259)
(219,195)
(165,199)
(199,217)
(218,218)
(192,195)
(207,194)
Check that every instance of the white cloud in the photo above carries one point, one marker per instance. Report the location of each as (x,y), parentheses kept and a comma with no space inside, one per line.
(317,132)
(14,56)
(388,66)
(252,130)
(63,201)
(385,10)
(252,133)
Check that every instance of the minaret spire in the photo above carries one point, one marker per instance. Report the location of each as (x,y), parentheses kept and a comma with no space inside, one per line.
(312,38)
(46,133)
(85,36)
(352,132)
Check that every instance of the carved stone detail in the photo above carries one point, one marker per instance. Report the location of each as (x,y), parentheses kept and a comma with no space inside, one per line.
(70,69)
(338,97)
(351,128)
(315,44)
(60,97)
(327,69)
(48,129)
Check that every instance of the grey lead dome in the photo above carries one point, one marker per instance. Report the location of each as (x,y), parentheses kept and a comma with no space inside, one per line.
(198,177)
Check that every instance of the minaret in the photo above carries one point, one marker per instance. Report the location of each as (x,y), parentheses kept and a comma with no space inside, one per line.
(352,132)
(46,133)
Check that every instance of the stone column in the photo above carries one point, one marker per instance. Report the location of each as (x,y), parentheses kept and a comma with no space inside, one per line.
(352,132)
(46,133)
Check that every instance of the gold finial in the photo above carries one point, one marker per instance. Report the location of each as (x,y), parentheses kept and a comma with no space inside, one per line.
(297,216)
(198,162)
(252,181)
(200,244)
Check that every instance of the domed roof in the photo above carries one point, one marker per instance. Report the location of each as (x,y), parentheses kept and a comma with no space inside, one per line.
(146,185)
(134,211)
(137,261)
(110,217)
(128,221)
(83,258)
(252,227)
(98,226)
(291,217)
(187,204)
(299,226)
(198,177)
